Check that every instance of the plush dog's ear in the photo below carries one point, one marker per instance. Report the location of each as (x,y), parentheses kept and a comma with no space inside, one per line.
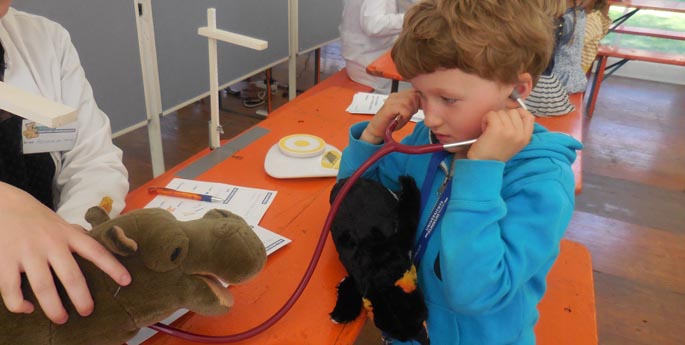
(336,189)
(408,210)
(117,242)
(96,215)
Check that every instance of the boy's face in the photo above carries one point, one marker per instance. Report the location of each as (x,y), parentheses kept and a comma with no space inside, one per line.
(455,102)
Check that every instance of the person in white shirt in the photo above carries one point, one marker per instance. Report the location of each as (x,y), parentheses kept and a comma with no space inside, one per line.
(45,195)
(368,29)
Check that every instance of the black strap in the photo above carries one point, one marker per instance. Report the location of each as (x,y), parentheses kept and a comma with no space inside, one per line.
(32,173)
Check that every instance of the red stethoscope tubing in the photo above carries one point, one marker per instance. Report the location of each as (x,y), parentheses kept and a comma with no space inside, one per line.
(390,146)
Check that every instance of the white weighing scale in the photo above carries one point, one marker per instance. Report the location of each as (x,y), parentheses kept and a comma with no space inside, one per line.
(302,155)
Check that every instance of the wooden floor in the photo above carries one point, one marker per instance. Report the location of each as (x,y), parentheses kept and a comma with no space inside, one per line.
(631,213)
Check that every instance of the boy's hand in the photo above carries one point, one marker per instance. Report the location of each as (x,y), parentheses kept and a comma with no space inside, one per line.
(401,105)
(34,240)
(505,133)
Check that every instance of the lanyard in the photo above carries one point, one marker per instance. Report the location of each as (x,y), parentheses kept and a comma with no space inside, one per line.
(439,208)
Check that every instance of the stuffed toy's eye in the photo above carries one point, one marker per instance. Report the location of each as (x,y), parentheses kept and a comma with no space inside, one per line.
(176,254)
(167,255)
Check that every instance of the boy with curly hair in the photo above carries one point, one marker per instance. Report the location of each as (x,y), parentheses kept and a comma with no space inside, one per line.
(508,197)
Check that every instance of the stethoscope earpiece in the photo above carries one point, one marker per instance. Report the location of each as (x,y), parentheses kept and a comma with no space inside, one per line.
(517,97)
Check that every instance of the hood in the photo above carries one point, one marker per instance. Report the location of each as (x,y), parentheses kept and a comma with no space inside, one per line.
(555,145)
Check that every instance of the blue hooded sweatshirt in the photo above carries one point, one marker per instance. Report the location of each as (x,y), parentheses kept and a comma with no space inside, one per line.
(484,269)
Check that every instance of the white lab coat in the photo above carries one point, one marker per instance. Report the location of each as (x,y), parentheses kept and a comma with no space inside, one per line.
(367,30)
(41,59)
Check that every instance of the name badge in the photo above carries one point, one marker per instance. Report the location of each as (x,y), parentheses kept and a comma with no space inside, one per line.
(37,138)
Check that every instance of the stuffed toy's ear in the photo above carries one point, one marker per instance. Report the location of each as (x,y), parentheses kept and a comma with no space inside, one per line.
(216,213)
(336,189)
(117,242)
(96,215)
(410,196)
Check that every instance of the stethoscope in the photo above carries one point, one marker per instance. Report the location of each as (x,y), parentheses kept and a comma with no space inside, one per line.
(389,146)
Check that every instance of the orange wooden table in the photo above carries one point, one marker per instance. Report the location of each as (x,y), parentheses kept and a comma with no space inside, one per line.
(298,212)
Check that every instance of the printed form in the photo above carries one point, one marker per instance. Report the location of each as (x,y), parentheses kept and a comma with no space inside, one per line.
(249,203)
(370,103)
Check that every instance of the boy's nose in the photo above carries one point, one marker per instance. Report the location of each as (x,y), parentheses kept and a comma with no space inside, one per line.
(431,119)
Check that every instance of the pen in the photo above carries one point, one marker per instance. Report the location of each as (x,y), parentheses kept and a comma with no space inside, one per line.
(185,195)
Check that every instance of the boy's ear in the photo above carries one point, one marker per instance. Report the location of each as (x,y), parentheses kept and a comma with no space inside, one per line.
(524,87)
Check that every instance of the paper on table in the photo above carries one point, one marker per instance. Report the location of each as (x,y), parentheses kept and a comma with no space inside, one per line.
(249,203)
(272,241)
(370,103)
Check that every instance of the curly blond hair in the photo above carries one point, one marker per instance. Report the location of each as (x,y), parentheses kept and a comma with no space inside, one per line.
(494,39)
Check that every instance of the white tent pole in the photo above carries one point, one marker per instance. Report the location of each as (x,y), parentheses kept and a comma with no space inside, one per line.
(213,34)
(151,87)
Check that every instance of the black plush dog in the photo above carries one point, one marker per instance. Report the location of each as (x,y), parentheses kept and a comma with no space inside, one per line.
(374,233)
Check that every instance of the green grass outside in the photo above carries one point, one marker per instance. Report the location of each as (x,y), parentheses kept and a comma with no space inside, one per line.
(650,19)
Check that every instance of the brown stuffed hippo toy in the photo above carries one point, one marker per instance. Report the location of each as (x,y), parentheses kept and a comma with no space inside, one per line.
(173,265)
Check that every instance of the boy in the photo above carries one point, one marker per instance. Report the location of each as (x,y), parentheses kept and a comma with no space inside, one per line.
(509,196)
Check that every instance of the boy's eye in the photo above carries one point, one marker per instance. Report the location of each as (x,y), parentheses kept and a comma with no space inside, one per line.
(449,100)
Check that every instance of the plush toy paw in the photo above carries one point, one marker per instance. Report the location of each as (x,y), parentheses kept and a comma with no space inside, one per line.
(422,337)
(399,314)
(349,302)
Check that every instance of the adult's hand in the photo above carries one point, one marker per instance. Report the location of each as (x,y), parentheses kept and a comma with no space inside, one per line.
(34,240)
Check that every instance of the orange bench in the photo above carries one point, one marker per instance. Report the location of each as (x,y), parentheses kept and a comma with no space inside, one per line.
(657,5)
(603,71)
(614,50)
(650,32)
(571,124)
(567,310)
